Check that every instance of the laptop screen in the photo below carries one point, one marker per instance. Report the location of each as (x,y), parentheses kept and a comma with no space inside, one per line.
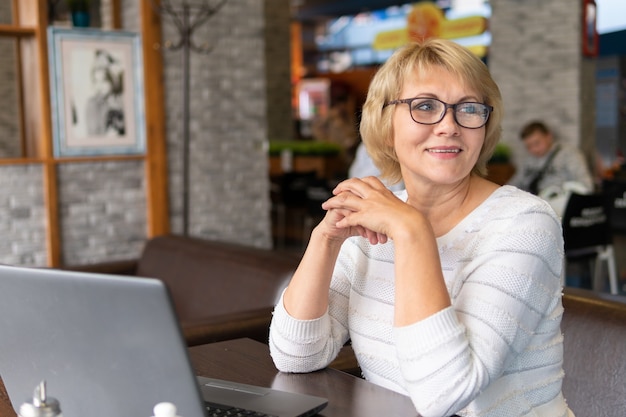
(93,338)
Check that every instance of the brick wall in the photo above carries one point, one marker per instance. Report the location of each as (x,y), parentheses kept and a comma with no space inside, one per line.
(22,215)
(229,192)
(102,210)
(536,60)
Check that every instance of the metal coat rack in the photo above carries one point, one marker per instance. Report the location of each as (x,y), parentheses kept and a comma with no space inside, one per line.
(187,17)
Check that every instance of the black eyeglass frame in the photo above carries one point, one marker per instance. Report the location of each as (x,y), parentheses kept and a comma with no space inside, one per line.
(446,106)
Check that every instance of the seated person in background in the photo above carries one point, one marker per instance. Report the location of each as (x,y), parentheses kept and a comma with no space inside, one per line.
(363,166)
(339,125)
(450,291)
(550,163)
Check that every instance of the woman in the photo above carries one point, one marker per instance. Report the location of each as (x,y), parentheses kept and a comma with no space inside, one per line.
(450,291)
(104,110)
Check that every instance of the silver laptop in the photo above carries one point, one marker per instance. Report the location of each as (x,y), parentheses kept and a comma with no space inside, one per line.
(110,346)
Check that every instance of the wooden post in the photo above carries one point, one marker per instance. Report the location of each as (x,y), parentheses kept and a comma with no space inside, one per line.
(156,152)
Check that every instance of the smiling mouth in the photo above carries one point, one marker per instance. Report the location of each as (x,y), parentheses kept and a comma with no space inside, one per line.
(444,150)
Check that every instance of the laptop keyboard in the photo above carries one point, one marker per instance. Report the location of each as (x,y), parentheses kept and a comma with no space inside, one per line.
(221,410)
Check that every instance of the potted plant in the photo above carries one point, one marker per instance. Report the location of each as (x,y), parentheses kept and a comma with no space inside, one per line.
(79,10)
(499,167)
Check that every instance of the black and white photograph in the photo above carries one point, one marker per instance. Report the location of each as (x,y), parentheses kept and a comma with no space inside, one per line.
(96,92)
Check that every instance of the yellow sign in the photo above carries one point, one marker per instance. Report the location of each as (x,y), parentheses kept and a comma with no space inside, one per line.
(426,20)
(466,26)
(391,39)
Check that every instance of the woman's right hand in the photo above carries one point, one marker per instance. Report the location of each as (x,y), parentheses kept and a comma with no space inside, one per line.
(346,201)
(328,228)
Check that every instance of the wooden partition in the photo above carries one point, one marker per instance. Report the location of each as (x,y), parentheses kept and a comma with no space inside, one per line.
(29,29)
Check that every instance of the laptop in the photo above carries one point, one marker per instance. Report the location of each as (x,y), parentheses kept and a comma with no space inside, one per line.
(111,346)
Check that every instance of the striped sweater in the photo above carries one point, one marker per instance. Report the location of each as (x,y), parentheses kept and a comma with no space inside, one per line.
(497,351)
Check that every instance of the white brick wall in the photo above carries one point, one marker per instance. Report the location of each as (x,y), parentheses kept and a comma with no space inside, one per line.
(102,210)
(228,130)
(537,61)
(22,216)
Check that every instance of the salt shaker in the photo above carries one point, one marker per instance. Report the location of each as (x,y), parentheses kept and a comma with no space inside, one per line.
(165,409)
(41,405)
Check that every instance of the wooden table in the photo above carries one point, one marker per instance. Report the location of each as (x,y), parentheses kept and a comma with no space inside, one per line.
(248,361)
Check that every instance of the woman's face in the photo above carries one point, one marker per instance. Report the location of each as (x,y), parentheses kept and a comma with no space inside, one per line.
(101,84)
(439,154)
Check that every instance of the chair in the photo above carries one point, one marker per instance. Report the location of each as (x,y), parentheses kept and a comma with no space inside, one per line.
(587,235)
(289,200)
(317,192)
(616,194)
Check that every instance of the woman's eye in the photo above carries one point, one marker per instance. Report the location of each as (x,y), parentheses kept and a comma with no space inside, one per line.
(468,109)
(426,106)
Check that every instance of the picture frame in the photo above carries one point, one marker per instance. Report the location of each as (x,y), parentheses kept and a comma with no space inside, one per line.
(97,92)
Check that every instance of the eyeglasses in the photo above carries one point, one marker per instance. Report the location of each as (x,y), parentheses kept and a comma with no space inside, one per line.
(430,111)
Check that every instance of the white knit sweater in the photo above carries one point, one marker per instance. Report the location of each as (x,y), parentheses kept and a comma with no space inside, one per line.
(497,351)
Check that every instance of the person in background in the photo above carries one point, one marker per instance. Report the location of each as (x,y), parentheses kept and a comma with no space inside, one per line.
(339,125)
(550,163)
(449,291)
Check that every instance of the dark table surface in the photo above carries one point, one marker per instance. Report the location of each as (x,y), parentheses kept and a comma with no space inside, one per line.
(248,361)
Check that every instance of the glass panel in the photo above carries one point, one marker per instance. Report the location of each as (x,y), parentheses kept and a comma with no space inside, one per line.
(10,126)
(6,12)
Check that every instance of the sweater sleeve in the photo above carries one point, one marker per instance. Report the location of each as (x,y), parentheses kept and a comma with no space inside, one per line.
(506,306)
(309,345)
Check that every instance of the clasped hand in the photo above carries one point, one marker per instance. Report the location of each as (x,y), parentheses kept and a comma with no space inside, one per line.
(363,207)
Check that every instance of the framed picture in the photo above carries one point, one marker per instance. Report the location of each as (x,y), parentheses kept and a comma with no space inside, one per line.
(97,95)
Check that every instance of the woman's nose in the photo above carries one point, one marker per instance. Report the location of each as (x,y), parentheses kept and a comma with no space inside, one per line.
(448,124)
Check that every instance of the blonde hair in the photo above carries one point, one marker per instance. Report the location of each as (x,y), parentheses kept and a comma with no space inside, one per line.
(376,123)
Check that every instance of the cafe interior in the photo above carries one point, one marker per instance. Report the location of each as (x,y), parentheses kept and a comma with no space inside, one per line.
(233,119)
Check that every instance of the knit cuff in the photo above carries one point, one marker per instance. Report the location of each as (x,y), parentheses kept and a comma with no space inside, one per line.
(300,331)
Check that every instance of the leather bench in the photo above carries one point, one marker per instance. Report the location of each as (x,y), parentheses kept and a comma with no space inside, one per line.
(594,327)
(220,290)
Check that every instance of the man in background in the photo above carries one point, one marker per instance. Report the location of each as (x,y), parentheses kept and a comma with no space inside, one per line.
(550,164)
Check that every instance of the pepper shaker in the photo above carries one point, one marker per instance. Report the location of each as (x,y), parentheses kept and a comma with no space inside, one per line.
(41,405)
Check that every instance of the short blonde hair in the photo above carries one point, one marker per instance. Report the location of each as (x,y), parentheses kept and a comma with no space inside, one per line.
(376,121)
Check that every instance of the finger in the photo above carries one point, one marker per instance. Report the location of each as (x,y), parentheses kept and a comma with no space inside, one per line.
(372,237)
(359,186)
(347,185)
(374,182)
(362,231)
(346,200)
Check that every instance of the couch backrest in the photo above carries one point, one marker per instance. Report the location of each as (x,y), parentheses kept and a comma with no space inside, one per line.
(208,278)
(594,327)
